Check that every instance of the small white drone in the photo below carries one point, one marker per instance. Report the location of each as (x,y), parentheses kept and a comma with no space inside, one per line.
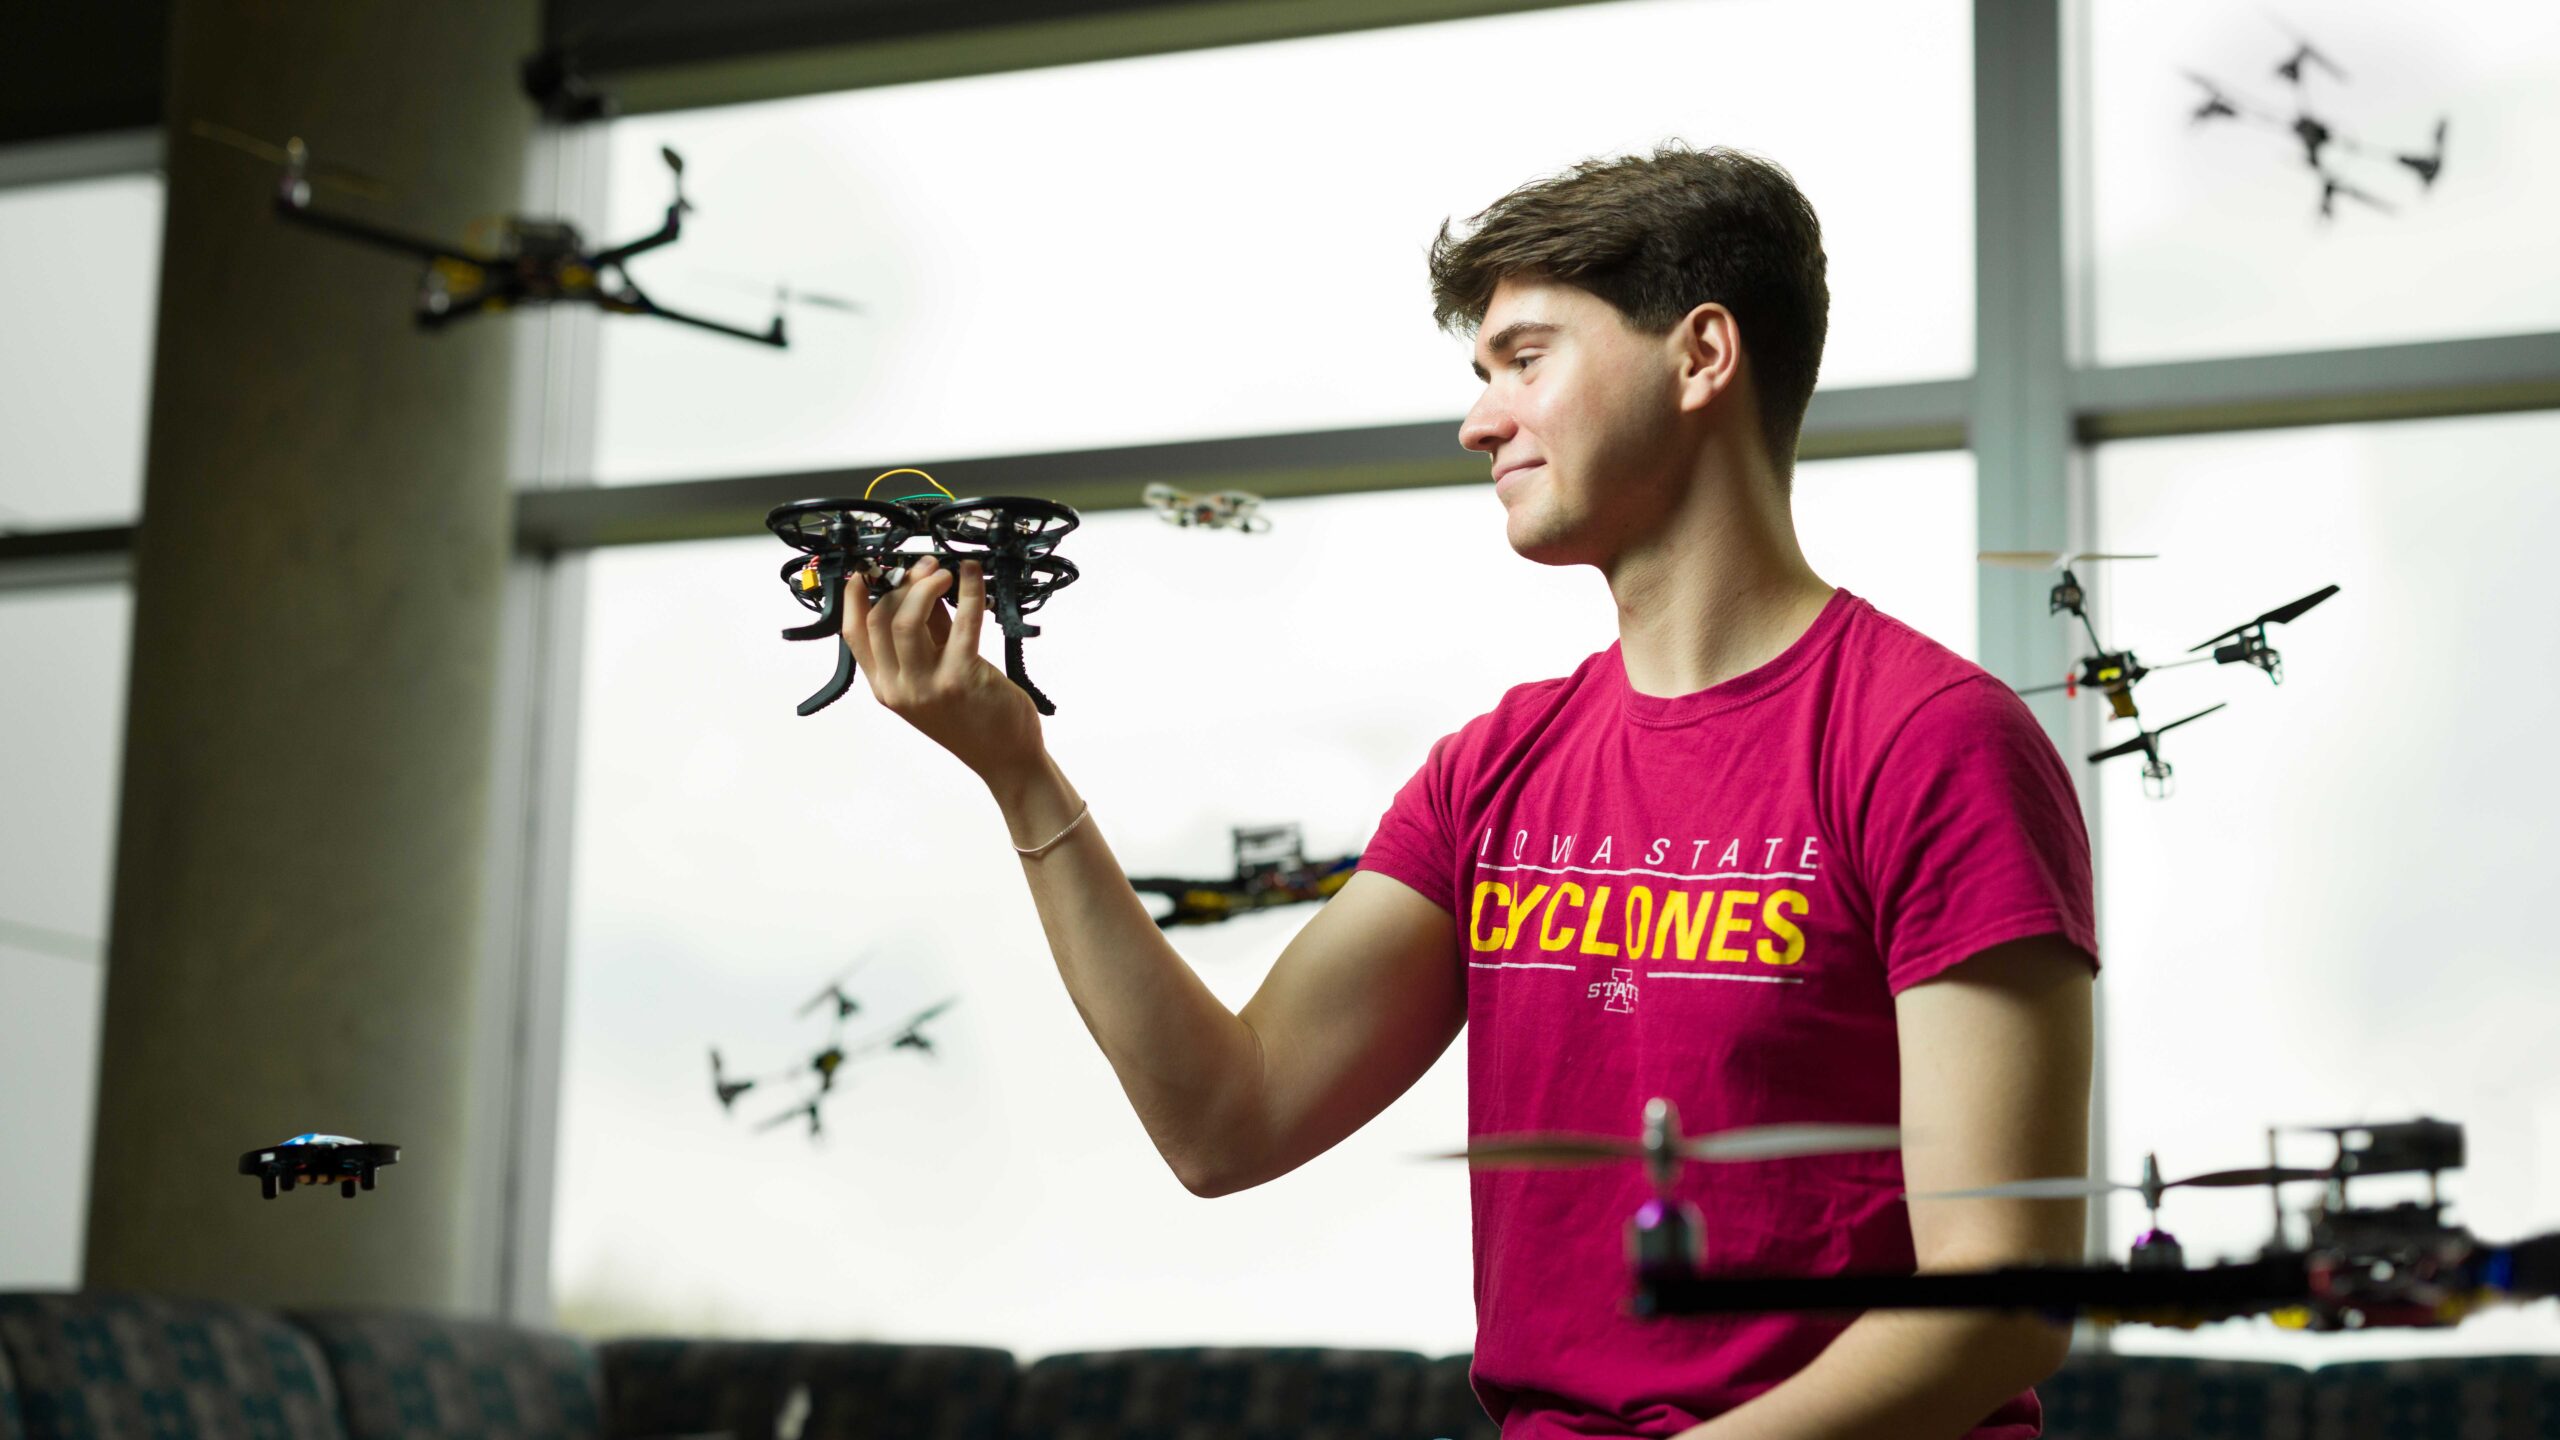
(1226,510)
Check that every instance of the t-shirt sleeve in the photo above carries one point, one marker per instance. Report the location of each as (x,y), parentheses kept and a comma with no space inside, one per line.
(1971,836)
(1416,840)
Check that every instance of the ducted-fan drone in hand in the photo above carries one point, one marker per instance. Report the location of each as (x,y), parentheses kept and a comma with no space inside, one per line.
(1009,536)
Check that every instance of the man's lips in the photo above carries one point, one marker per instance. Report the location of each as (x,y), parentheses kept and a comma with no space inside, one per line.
(1507,471)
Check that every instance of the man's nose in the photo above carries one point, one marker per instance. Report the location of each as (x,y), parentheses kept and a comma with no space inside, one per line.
(1486,425)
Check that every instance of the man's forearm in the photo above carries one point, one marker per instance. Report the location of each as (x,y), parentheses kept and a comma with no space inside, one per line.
(1191,1068)
(1900,1375)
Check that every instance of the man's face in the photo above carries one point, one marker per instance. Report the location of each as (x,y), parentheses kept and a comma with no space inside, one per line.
(1579,415)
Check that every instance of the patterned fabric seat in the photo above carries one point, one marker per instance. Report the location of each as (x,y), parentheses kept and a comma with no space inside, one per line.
(404,1376)
(1223,1394)
(2470,1397)
(2161,1397)
(1447,1408)
(105,1367)
(856,1392)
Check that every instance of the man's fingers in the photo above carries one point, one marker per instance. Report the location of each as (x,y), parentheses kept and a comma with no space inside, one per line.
(857,610)
(969,618)
(910,631)
(876,633)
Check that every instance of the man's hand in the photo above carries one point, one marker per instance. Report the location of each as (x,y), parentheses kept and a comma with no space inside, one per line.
(925,667)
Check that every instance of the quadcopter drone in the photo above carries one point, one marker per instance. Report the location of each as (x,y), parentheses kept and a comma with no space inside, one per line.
(315,1159)
(1010,536)
(2316,136)
(534,261)
(2362,1267)
(1225,510)
(1272,869)
(2114,673)
(821,1070)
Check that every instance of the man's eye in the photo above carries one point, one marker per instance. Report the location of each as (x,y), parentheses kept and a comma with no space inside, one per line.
(1521,362)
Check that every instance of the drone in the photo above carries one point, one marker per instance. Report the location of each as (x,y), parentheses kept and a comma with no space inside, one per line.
(1272,869)
(820,1072)
(316,1159)
(2114,673)
(2361,1267)
(1225,510)
(1010,536)
(1667,1236)
(2316,136)
(533,262)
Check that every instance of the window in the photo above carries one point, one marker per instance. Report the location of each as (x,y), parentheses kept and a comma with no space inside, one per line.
(2207,238)
(79,290)
(1231,241)
(58,768)
(2338,916)
(731,858)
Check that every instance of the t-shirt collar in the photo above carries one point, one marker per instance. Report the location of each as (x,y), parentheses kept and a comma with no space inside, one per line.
(1742,689)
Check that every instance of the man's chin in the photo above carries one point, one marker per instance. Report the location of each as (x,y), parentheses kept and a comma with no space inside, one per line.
(1543,544)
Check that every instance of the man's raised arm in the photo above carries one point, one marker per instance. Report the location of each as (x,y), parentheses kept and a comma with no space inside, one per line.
(1356,1008)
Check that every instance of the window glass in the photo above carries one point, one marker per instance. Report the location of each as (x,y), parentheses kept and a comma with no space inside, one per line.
(79,290)
(2339,914)
(58,770)
(2206,234)
(1231,241)
(731,858)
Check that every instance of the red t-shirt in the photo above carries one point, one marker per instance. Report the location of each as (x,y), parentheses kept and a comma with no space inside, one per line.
(1715,897)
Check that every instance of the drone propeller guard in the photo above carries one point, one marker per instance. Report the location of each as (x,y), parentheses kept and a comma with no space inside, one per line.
(1010,537)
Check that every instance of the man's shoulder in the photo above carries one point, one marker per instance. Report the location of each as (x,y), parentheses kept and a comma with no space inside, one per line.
(1891,671)
(1530,705)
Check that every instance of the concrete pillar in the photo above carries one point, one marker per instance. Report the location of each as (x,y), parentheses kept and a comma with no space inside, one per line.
(317,594)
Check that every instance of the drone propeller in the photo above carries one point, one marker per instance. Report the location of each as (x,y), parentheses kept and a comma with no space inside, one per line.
(787,1116)
(2331,187)
(2048,559)
(2144,742)
(721,1085)
(293,155)
(834,990)
(1759,1142)
(2430,164)
(675,168)
(2291,69)
(780,294)
(2281,615)
(2069,1187)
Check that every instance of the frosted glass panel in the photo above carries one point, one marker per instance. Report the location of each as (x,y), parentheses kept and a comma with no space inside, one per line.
(2343,912)
(79,290)
(58,777)
(732,857)
(1231,241)
(2207,235)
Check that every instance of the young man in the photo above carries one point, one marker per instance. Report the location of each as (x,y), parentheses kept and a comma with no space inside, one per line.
(1772,855)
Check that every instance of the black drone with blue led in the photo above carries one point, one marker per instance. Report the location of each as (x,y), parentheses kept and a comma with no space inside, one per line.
(1010,537)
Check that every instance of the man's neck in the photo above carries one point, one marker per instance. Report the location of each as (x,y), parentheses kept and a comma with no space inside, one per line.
(1717,591)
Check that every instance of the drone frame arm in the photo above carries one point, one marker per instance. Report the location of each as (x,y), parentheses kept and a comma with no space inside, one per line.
(376,236)
(666,234)
(636,301)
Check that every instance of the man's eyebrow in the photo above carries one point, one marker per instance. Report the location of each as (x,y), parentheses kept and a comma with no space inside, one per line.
(1510,335)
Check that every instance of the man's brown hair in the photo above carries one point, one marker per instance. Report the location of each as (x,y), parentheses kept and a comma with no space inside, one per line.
(1657,237)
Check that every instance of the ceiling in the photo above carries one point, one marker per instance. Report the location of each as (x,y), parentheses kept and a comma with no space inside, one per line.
(70,70)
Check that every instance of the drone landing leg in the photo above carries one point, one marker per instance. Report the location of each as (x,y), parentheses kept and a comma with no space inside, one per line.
(1013,671)
(835,686)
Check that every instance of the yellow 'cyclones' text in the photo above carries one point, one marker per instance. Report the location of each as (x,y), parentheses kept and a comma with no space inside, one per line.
(1637,920)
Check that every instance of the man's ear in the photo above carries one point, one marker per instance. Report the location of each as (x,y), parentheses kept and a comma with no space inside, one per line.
(1707,347)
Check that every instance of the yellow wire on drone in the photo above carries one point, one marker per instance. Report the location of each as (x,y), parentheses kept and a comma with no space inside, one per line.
(885,474)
